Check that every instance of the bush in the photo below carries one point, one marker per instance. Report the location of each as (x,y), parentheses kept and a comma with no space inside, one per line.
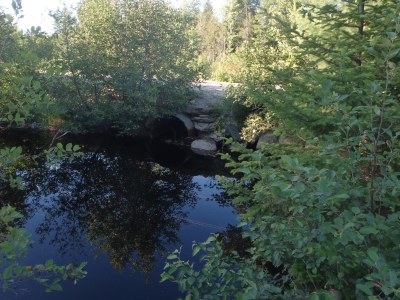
(228,68)
(120,63)
(323,218)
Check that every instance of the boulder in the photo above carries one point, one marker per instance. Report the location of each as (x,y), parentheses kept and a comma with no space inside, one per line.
(204,147)
(267,137)
(203,119)
(204,127)
(198,109)
(217,137)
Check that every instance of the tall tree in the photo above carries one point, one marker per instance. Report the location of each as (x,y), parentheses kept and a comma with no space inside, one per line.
(239,20)
(209,29)
(322,216)
(128,60)
(20,94)
(290,50)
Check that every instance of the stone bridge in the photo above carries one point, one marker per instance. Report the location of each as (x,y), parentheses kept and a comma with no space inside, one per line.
(197,123)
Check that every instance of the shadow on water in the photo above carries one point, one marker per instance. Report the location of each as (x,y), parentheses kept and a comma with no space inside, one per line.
(130,201)
(122,206)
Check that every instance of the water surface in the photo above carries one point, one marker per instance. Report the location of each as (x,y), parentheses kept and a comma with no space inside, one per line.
(121,207)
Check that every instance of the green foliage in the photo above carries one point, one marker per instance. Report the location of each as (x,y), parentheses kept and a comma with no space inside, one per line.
(7,36)
(295,52)
(239,22)
(228,67)
(59,152)
(8,160)
(323,217)
(232,109)
(121,63)
(255,125)
(210,33)
(14,243)
(22,97)
(217,279)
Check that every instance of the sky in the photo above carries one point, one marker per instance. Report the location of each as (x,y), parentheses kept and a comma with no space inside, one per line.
(36,11)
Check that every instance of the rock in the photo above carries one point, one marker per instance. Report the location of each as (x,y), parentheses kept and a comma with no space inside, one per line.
(204,127)
(216,137)
(33,125)
(285,140)
(204,147)
(198,109)
(203,119)
(187,122)
(233,132)
(267,137)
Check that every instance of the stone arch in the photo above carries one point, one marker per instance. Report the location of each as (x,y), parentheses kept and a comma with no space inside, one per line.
(187,122)
(175,127)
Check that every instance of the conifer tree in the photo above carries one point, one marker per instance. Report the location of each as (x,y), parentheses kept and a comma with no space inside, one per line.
(322,219)
(238,21)
(209,29)
(293,55)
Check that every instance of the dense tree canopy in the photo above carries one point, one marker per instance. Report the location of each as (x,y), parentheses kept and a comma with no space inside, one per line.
(320,212)
(121,63)
(21,100)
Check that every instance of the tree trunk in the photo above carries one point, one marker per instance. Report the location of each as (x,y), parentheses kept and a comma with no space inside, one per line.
(361,11)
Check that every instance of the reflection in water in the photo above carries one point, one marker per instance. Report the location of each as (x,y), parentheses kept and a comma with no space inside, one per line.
(123,207)
(116,204)
(15,198)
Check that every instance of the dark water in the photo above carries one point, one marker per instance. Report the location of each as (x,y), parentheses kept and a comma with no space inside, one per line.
(121,207)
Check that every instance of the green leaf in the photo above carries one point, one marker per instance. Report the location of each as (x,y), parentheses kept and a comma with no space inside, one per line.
(196,249)
(172,256)
(164,277)
(392,53)
(327,85)
(49,263)
(374,86)
(391,35)
(365,289)
(368,230)
(7,273)
(244,170)
(56,287)
(393,279)
(373,254)
(314,297)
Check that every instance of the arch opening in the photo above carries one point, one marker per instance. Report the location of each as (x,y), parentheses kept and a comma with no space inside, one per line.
(174,128)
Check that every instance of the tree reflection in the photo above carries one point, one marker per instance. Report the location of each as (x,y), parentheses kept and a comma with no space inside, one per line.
(128,209)
(15,198)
